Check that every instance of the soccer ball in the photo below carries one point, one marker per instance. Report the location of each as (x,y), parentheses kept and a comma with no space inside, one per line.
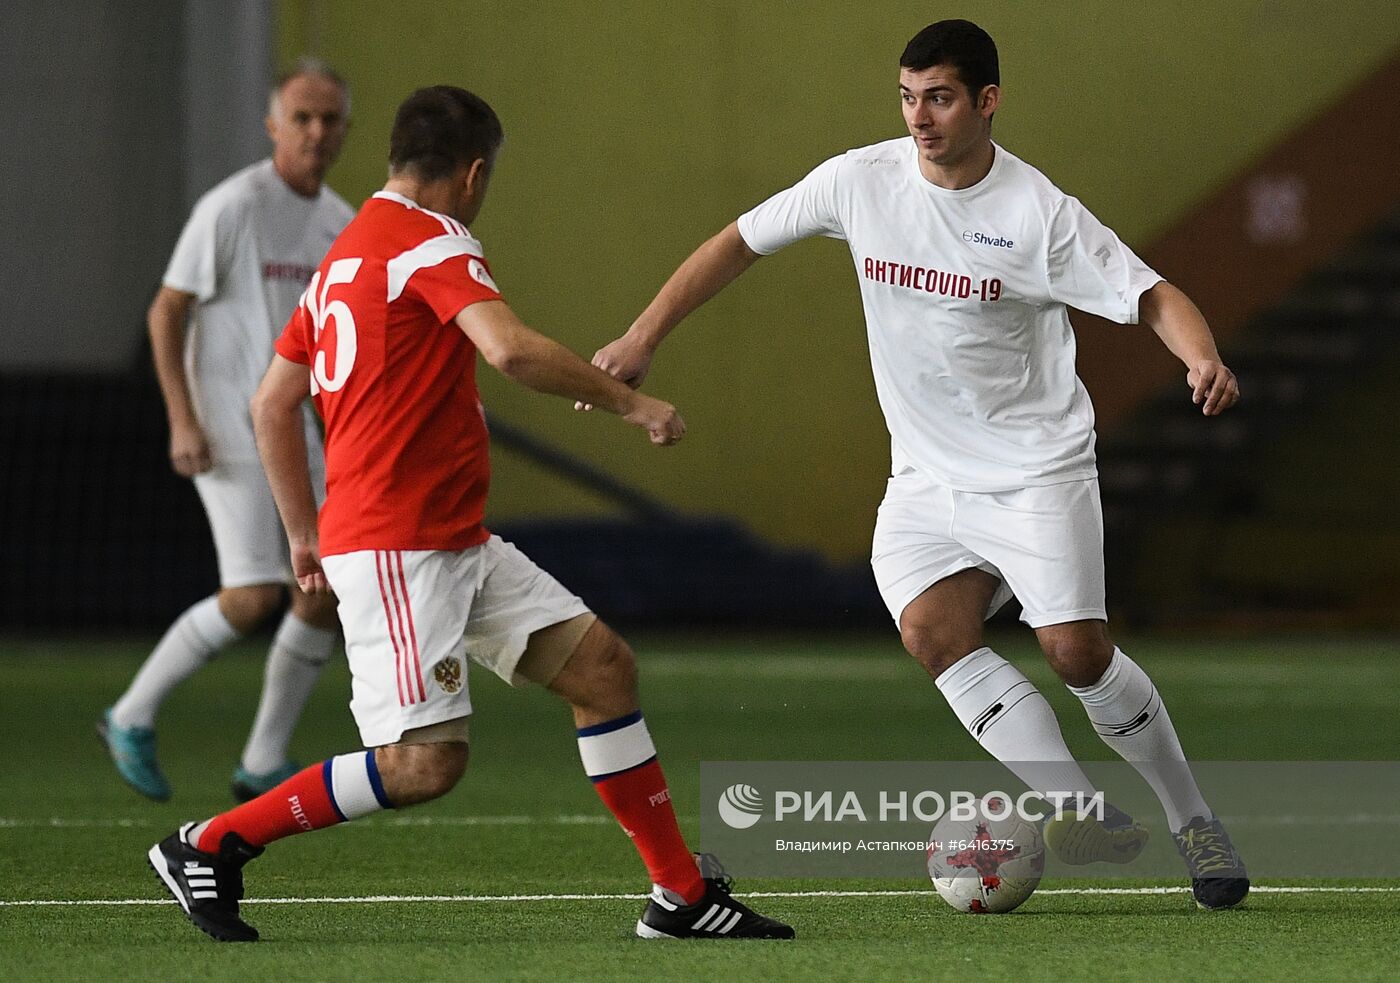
(986,866)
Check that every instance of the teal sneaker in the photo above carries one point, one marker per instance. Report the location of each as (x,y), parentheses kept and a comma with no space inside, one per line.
(133,751)
(246,785)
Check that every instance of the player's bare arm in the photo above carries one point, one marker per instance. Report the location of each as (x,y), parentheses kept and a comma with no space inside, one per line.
(277,425)
(166,321)
(1183,329)
(717,263)
(528,357)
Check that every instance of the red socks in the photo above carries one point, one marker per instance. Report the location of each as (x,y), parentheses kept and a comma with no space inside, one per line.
(345,787)
(621,760)
(617,755)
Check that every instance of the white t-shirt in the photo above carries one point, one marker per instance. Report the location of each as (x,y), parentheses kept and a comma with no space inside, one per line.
(247,253)
(965,295)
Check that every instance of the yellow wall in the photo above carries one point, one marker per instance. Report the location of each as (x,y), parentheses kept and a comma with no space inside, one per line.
(636,129)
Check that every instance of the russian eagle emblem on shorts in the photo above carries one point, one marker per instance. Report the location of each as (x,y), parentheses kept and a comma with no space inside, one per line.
(448,674)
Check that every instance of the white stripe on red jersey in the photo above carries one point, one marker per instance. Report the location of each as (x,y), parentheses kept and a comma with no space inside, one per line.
(402,267)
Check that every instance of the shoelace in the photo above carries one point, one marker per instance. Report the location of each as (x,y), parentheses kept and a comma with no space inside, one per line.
(712,870)
(1207,850)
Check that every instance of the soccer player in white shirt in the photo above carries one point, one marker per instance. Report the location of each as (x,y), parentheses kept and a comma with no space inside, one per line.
(241,264)
(967,260)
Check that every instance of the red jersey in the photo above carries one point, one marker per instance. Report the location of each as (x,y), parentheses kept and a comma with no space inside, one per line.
(394,379)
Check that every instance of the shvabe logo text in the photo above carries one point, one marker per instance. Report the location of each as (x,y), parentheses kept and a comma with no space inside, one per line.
(982,239)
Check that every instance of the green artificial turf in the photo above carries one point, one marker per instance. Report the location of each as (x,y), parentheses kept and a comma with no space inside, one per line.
(526,822)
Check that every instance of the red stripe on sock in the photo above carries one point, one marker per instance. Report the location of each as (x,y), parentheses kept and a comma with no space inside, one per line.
(389,622)
(298,805)
(642,804)
(412,632)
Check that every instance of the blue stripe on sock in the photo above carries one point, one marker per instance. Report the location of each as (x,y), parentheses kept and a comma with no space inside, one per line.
(595,779)
(330,789)
(607,727)
(375,783)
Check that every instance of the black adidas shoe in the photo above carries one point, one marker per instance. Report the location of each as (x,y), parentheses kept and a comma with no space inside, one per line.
(717,915)
(208,886)
(1218,877)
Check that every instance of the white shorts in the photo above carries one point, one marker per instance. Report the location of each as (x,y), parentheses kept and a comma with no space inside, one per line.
(1044,543)
(410,616)
(248,536)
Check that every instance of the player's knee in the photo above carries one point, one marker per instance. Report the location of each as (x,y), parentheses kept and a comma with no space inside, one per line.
(612,671)
(935,646)
(601,676)
(246,608)
(618,668)
(445,772)
(1079,658)
(413,773)
(317,610)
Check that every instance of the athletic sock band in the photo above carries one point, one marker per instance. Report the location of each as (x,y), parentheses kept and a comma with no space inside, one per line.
(354,786)
(615,746)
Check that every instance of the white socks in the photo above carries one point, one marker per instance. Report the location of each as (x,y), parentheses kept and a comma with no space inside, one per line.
(189,643)
(294,663)
(299,652)
(615,746)
(1009,717)
(1128,714)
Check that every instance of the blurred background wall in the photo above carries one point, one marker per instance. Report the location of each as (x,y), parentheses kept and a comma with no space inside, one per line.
(118,116)
(634,130)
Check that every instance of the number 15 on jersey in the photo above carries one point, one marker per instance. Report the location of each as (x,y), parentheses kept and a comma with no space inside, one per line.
(322,313)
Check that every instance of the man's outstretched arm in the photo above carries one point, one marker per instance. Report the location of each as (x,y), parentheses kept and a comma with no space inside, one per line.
(531,359)
(1183,329)
(707,271)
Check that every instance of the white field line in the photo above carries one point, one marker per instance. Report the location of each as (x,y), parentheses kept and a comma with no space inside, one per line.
(72,823)
(527,898)
(580,819)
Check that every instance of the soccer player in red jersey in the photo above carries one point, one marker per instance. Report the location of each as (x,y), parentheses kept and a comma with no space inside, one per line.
(385,341)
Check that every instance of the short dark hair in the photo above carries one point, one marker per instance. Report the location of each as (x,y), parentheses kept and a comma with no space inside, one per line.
(961,44)
(440,127)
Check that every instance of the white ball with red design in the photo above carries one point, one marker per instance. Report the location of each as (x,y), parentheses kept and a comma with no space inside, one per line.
(986,866)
